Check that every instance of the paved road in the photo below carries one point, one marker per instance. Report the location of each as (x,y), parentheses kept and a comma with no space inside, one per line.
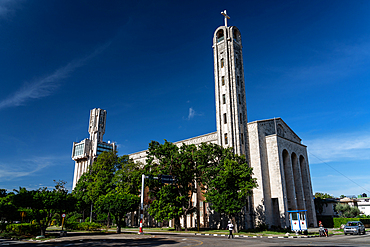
(191,240)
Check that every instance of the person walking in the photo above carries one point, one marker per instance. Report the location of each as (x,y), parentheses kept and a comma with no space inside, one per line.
(230,226)
(322,230)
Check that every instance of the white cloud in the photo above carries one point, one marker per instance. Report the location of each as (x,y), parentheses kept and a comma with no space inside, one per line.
(26,167)
(341,61)
(191,113)
(4,8)
(46,85)
(7,7)
(340,147)
(339,185)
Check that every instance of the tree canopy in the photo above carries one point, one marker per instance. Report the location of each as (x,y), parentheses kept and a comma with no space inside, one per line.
(111,184)
(322,195)
(346,211)
(40,205)
(225,177)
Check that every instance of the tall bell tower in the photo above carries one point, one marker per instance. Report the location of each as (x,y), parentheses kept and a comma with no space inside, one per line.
(231,109)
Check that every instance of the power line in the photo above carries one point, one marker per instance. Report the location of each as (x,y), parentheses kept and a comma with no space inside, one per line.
(339,172)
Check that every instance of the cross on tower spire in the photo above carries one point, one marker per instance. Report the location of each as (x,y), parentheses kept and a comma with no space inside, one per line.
(226,17)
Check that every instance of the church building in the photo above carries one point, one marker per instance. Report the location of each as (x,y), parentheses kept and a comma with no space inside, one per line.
(274,151)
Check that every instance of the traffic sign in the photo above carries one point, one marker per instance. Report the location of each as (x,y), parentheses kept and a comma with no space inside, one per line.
(166,179)
(63,215)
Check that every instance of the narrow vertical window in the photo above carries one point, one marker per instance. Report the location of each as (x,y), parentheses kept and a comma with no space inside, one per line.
(223,80)
(242,138)
(239,99)
(222,63)
(226,141)
(225,120)
(237,80)
(241,118)
(223,99)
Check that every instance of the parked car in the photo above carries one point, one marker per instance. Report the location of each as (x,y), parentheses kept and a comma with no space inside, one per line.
(354,227)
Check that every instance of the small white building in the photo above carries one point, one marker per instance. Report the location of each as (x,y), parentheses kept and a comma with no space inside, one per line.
(363,203)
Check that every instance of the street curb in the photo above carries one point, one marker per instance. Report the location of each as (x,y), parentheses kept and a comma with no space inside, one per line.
(244,236)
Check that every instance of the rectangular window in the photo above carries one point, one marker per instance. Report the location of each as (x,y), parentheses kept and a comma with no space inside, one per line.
(223,99)
(294,216)
(242,138)
(223,80)
(225,120)
(237,80)
(226,141)
(239,99)
(241,118)
(222,63)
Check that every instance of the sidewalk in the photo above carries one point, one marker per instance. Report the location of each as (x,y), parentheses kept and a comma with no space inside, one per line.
(132,234)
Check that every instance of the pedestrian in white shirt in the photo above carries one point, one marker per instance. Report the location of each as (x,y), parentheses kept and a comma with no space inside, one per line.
(230,226)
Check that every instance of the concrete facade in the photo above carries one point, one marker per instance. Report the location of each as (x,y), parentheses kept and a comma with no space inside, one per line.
(85,152)
(364,205)
(280,164)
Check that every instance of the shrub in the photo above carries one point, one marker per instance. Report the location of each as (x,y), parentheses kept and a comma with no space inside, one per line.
(339,221)
(71,225)
(346,211)
(262,227)
(327,221)
(2,227)
(73,218)
(24,228)
(84,226)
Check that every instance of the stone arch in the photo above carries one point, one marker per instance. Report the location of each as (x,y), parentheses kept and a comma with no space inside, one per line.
(307,190)
(297,182)
(220,36)
(305,177)
(236,35)
(289,181)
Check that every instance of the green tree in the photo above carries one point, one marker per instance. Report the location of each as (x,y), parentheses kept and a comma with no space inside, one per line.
(83,201)
(118,204)
(97,181)
(322,195)
(171,201)
(8,211)
(3,193)
(110,177)
(42,204)
(124,197)
(227,179)
(346,211)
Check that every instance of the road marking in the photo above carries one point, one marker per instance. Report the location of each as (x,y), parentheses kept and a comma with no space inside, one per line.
(200,243)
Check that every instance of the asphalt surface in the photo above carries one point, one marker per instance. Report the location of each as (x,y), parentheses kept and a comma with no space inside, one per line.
(175,240)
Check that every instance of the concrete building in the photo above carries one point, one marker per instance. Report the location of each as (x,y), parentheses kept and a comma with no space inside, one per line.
(275,152)
(85,152)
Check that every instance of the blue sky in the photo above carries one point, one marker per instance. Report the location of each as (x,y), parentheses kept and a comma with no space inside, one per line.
(150,65)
